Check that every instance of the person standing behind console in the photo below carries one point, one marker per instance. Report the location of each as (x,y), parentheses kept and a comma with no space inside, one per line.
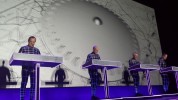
(93,72)
(135,75)
(4,74)
(60,76)
(28,69)
(165,78)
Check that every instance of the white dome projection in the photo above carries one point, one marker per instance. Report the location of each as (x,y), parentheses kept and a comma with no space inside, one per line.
(70,28)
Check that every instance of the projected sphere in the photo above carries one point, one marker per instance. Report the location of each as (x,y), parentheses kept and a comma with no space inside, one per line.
(71,28)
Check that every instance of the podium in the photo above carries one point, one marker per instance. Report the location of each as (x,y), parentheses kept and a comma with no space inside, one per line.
(171,69)
(147,68)
(19,59)
(105,65)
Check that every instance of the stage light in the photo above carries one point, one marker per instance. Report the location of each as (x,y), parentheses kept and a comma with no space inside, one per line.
(97,21)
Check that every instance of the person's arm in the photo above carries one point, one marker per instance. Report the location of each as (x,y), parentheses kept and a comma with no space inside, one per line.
(64,75)
(99,57)
(130,63)
(160,62)
(21,50)
(8,74)
(88,59)
(39,52)
(160,65)
(56,75)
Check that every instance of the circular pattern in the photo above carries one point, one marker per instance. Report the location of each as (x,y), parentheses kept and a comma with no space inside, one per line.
(72,23)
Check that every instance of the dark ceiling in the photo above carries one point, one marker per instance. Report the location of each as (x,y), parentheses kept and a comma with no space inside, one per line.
(150,3)
(170,5)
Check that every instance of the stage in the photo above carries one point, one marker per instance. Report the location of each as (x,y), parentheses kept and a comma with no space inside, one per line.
(84,93)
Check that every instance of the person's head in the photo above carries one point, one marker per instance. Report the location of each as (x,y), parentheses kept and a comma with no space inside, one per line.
(135,55)
(165,56)
(95,49)
(31,41)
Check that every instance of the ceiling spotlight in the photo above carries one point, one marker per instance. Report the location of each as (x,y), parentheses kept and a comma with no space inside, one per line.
(97,21)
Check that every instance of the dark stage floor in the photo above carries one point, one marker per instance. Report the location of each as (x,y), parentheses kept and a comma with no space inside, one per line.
(84,93)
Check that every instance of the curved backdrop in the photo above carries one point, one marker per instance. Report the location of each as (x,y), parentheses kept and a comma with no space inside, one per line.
(69,28)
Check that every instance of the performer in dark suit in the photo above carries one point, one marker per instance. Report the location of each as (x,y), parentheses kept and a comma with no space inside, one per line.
(135,75)
(4,74)
(93,72)
(165,78)
(60,76)
(28,69)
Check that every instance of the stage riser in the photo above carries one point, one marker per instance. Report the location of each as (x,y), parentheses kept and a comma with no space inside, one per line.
(77,93)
